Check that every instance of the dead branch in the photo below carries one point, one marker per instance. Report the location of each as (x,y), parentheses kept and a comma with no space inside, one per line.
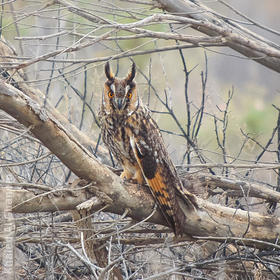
(95,250)
(197,183)
(238,38)
(17,79)
(209,219)
(227,241)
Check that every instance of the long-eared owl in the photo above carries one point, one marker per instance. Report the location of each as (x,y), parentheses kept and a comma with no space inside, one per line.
(134,139)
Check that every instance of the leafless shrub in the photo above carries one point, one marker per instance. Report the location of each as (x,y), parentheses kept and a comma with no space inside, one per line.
(61,47)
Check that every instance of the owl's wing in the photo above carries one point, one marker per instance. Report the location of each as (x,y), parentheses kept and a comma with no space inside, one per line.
(158,175)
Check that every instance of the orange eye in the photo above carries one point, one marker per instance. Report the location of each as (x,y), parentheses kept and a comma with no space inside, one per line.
(129,95)
(111,94)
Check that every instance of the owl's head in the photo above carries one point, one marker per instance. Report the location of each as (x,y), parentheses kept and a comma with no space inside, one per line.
(120,95)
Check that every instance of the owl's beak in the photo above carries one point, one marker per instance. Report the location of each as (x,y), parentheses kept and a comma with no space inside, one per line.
(120,103)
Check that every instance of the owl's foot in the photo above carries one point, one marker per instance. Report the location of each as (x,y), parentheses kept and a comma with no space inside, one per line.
(126,176)
(136,178)
(134,181)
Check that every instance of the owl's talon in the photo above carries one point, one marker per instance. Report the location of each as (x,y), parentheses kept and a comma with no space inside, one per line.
(133,181)
(125,179)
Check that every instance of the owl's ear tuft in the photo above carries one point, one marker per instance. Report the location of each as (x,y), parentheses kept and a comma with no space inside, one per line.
(108,72)
(131,74)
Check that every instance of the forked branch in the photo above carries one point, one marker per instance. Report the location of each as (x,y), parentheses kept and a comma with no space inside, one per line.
(208,220)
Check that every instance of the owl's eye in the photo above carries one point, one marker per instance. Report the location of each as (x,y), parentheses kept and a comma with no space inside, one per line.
(129,95)
(111,94)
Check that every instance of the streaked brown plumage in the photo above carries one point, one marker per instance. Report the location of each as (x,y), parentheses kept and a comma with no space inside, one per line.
(135,140)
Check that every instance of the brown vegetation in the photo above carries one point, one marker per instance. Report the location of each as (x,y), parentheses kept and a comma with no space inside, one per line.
(49,166)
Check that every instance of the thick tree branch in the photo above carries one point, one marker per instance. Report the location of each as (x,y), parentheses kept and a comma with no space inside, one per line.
(237,35)
(25,201)
(220,29)
(198,183)
(208,220)
(17,79)
(62,143)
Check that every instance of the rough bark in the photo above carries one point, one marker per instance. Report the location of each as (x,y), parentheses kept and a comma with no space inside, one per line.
(63,144)
(208,220)
(199,182)
(53,130)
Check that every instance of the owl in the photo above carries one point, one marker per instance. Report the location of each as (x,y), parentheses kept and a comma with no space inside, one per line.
(134,139)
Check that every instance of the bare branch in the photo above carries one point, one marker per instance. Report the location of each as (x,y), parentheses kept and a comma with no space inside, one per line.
(251,46)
